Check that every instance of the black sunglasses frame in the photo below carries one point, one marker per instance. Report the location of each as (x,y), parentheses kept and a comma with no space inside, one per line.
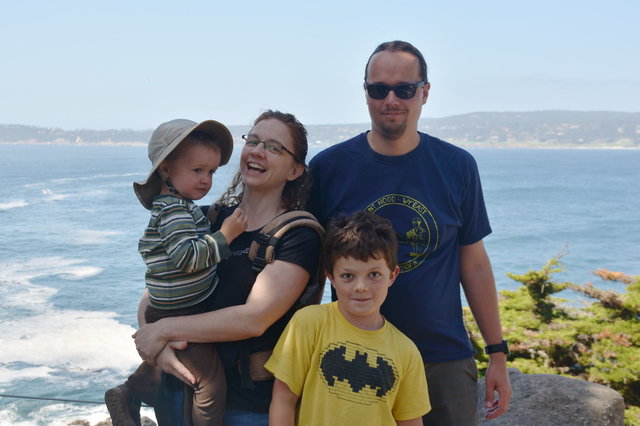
(379,91)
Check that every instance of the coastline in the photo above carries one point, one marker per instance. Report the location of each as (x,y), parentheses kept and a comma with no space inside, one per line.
(465,145)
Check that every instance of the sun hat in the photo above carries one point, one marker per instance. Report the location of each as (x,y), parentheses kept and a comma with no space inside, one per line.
(166,138)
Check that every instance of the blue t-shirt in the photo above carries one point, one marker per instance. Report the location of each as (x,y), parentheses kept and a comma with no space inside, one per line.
(433,197)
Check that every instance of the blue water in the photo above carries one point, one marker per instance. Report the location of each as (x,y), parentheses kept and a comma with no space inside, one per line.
(70,275)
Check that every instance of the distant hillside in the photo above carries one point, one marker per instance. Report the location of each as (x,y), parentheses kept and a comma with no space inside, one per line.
(500,129)
(542,128)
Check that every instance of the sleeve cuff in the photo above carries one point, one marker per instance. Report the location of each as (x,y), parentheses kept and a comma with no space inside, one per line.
(218,239)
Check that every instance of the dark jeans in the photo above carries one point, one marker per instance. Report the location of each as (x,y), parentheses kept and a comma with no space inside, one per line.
(170,402)
(163,392)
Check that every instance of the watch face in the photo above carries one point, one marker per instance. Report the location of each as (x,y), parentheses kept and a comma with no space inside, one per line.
(498,347)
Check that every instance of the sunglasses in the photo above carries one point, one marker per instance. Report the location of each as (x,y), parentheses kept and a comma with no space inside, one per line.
(271,146)
(403,90)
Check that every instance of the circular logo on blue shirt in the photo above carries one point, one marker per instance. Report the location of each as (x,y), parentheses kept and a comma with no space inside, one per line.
(415,227)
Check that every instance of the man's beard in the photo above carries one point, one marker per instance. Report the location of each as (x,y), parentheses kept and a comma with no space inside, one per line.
(393,130)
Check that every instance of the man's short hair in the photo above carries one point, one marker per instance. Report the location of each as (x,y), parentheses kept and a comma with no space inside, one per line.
(362,236)
(400,46)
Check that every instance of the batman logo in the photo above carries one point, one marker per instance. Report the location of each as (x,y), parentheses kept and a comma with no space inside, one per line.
(346,371)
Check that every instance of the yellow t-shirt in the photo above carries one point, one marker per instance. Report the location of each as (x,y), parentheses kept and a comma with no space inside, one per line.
(346,375)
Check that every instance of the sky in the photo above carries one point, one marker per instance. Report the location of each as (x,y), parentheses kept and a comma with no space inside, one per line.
(136,63)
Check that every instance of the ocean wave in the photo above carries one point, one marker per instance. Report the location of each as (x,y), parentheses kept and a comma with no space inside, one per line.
(8,375)
(81,272)
(13,204)
(25,270)
(18,291)
(93,237)
(25,296)
(50,195)
(68,340)
(53,196)
(99,176)
(59,414)
(41,335)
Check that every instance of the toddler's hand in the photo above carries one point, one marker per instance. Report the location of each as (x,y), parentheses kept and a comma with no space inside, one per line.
(234,225)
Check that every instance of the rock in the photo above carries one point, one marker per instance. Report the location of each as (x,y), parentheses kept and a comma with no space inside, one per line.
(548,399)
(146,421)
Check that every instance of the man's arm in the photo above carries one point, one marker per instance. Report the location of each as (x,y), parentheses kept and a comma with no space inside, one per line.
(282,410)
(479,287)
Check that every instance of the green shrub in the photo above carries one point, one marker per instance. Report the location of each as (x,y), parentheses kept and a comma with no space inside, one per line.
(599,343)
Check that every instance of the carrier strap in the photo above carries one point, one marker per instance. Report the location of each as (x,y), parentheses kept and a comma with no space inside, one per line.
(263,247)
(262,250)
(261,253)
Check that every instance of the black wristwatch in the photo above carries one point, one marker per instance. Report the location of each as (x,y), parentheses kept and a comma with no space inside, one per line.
(498,347)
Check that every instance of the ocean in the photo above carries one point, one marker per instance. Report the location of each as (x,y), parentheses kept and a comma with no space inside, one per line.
(71,277)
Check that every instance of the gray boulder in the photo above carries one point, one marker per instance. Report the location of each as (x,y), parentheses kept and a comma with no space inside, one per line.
(552,400)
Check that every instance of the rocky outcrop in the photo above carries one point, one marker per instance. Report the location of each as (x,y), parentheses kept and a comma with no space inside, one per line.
(144,421)
(548,399)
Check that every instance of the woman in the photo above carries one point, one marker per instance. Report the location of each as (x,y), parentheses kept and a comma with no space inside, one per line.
(250,311)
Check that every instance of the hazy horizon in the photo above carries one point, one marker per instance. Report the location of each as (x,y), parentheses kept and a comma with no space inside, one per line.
(367,122)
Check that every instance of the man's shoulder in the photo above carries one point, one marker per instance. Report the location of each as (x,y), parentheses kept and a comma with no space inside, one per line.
(444,149)
(442,145)
(338,149)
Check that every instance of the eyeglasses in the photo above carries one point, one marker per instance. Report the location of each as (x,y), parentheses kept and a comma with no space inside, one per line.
(403,90)
(271,146)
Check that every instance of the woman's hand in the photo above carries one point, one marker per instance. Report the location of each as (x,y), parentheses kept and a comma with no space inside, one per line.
(150,341)
(169,363)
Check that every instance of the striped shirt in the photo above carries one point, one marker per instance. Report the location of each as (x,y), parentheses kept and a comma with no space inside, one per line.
(180,254)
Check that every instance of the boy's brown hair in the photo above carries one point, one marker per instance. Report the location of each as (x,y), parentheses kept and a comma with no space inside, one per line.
(362,236)
(195,138)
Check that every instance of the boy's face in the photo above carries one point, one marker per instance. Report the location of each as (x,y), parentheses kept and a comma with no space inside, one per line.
(361,288)
(190,172)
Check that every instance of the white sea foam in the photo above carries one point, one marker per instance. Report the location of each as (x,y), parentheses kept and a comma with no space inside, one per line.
(80,272)
(13,204)
(61,415)
(26,270)
(9,374)
(66,180)
(68,340)
(52,196)
(92,237)
(9,417)
(100,176)
(42,335)
(16,293)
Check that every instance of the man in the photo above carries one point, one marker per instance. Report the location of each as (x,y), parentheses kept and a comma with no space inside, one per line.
(430,190)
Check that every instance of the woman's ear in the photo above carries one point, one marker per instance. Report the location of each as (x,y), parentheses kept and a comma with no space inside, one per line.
(296,171)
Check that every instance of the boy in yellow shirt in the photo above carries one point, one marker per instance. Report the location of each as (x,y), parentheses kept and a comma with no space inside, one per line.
(342,363)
